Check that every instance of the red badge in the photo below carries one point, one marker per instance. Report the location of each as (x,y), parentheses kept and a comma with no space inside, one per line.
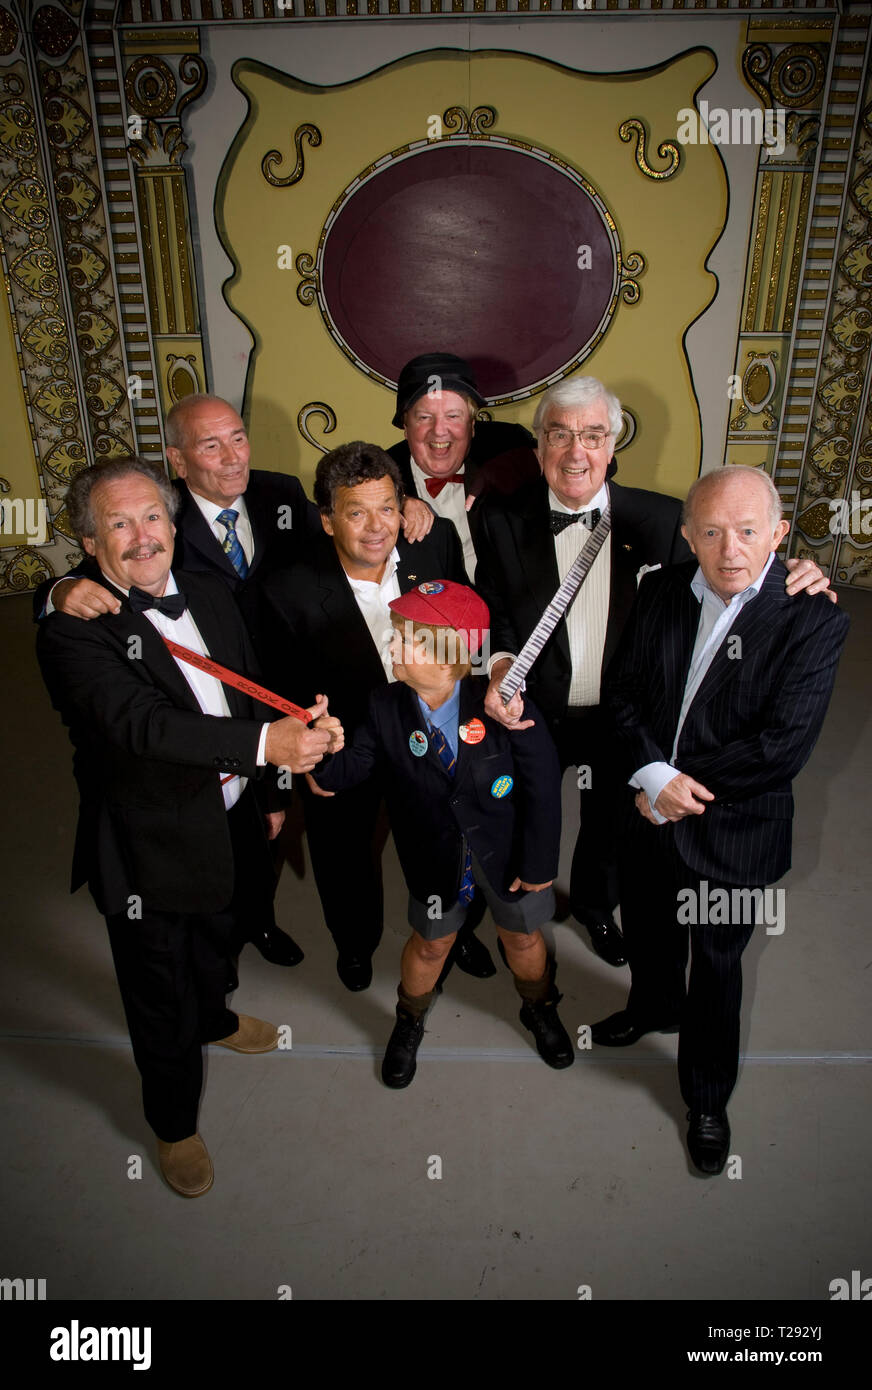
(473,732)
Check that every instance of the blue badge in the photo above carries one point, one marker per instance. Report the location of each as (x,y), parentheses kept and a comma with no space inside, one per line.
(432,587)
(418,743)
(502,786)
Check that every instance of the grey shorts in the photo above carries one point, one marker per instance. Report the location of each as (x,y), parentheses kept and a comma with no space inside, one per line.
(525,912)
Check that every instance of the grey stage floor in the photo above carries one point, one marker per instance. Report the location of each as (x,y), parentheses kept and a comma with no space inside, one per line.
(550,1182)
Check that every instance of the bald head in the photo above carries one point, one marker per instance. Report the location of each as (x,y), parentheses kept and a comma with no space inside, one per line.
(732,523)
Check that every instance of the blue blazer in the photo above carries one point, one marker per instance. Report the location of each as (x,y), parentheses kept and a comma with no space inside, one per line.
(515,835)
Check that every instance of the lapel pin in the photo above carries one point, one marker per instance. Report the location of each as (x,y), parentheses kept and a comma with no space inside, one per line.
(418,743)
(473,732)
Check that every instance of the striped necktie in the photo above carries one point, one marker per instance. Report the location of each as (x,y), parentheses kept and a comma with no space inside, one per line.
(231,545)
(440,747)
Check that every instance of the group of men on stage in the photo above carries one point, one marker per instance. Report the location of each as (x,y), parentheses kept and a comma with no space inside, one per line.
(686,698)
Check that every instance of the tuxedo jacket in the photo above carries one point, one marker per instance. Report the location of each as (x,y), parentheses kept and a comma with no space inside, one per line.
(316,638)
(751,725)
(147,760)
(430,810)
(517,573)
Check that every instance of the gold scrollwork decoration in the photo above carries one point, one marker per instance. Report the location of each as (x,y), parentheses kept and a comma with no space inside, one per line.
(193,72)
(307,290)
(274,157)
(756,62)
(797,75)
(634,264)
(666,150)
(309,412)
(150,86)
(459,121)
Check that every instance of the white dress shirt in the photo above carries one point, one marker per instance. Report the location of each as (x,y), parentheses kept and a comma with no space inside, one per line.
(587,615)
(372,598)
(451,504)
(715,620)
(242,528)
(208,690)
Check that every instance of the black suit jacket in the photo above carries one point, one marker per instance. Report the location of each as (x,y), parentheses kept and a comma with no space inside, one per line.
(517,573)
(430,810)
(147,761)
(751,726)
(317,641)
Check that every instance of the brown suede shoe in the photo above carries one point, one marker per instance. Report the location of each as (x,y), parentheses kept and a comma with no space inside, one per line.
(252,1035)
(186,1165)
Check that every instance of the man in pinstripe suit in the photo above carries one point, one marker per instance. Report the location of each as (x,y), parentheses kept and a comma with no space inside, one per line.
(719,690)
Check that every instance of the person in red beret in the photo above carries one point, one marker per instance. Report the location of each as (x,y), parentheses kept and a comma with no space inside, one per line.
(469,803)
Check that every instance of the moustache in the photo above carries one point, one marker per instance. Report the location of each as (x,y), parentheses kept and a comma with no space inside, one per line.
(143,552)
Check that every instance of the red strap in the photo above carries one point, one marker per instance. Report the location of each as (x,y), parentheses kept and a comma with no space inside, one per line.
(257,692)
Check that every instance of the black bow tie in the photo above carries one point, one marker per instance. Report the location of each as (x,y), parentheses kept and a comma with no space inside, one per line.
(560,520)
(172,605)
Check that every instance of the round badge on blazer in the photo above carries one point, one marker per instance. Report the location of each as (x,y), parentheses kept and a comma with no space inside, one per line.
(432,587)
(473,732)
(418,743)
(502,786)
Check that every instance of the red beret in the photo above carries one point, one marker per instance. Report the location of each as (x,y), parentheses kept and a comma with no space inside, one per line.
(442,603)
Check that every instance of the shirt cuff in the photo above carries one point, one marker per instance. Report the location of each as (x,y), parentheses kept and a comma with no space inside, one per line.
(261,746)
(502,656)
(651,779)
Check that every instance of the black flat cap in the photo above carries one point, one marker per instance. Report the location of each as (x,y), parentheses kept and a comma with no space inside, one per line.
(416,380)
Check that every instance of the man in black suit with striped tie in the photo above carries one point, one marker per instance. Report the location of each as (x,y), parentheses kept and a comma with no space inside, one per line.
(718,689)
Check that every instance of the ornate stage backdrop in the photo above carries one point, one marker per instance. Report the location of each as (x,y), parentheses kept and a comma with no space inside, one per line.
(283,201)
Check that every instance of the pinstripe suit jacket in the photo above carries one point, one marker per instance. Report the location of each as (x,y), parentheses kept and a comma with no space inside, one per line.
(751,725)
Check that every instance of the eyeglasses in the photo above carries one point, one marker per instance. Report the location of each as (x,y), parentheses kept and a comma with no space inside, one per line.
(560,438)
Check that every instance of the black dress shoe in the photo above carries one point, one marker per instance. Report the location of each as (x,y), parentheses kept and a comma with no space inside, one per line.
(399,1063)
(551,1038)
(473,957)
(276,946)
(607,941)
(623,1029)
(708,1141)
(355,972)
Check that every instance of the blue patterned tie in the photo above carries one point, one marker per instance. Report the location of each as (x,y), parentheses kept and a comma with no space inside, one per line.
(231,544)
(447,759)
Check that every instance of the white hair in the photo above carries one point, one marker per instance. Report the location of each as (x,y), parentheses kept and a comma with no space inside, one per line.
(578,392)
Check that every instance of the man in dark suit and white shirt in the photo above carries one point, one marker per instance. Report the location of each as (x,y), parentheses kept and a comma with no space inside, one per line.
(171,839)
(527,542)
(330,632)
(718,690)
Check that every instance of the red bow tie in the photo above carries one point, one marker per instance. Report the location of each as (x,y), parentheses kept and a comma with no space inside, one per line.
(435,485)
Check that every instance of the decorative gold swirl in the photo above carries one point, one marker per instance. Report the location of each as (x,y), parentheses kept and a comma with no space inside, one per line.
(308,412)
(194,65)
(756,62)
(666,150)
(634,264)
(797,75)
(274,157)
(456,119)
(482,118)
(307,290)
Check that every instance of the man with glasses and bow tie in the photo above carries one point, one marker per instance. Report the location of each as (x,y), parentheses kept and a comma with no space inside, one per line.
(526,543)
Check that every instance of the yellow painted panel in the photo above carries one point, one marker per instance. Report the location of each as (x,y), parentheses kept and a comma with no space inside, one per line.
(673,222)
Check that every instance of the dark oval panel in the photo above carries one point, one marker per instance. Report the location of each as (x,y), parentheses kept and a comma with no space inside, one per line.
(471,249)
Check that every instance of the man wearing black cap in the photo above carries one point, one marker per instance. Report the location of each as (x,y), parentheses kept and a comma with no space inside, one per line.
(443,455)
